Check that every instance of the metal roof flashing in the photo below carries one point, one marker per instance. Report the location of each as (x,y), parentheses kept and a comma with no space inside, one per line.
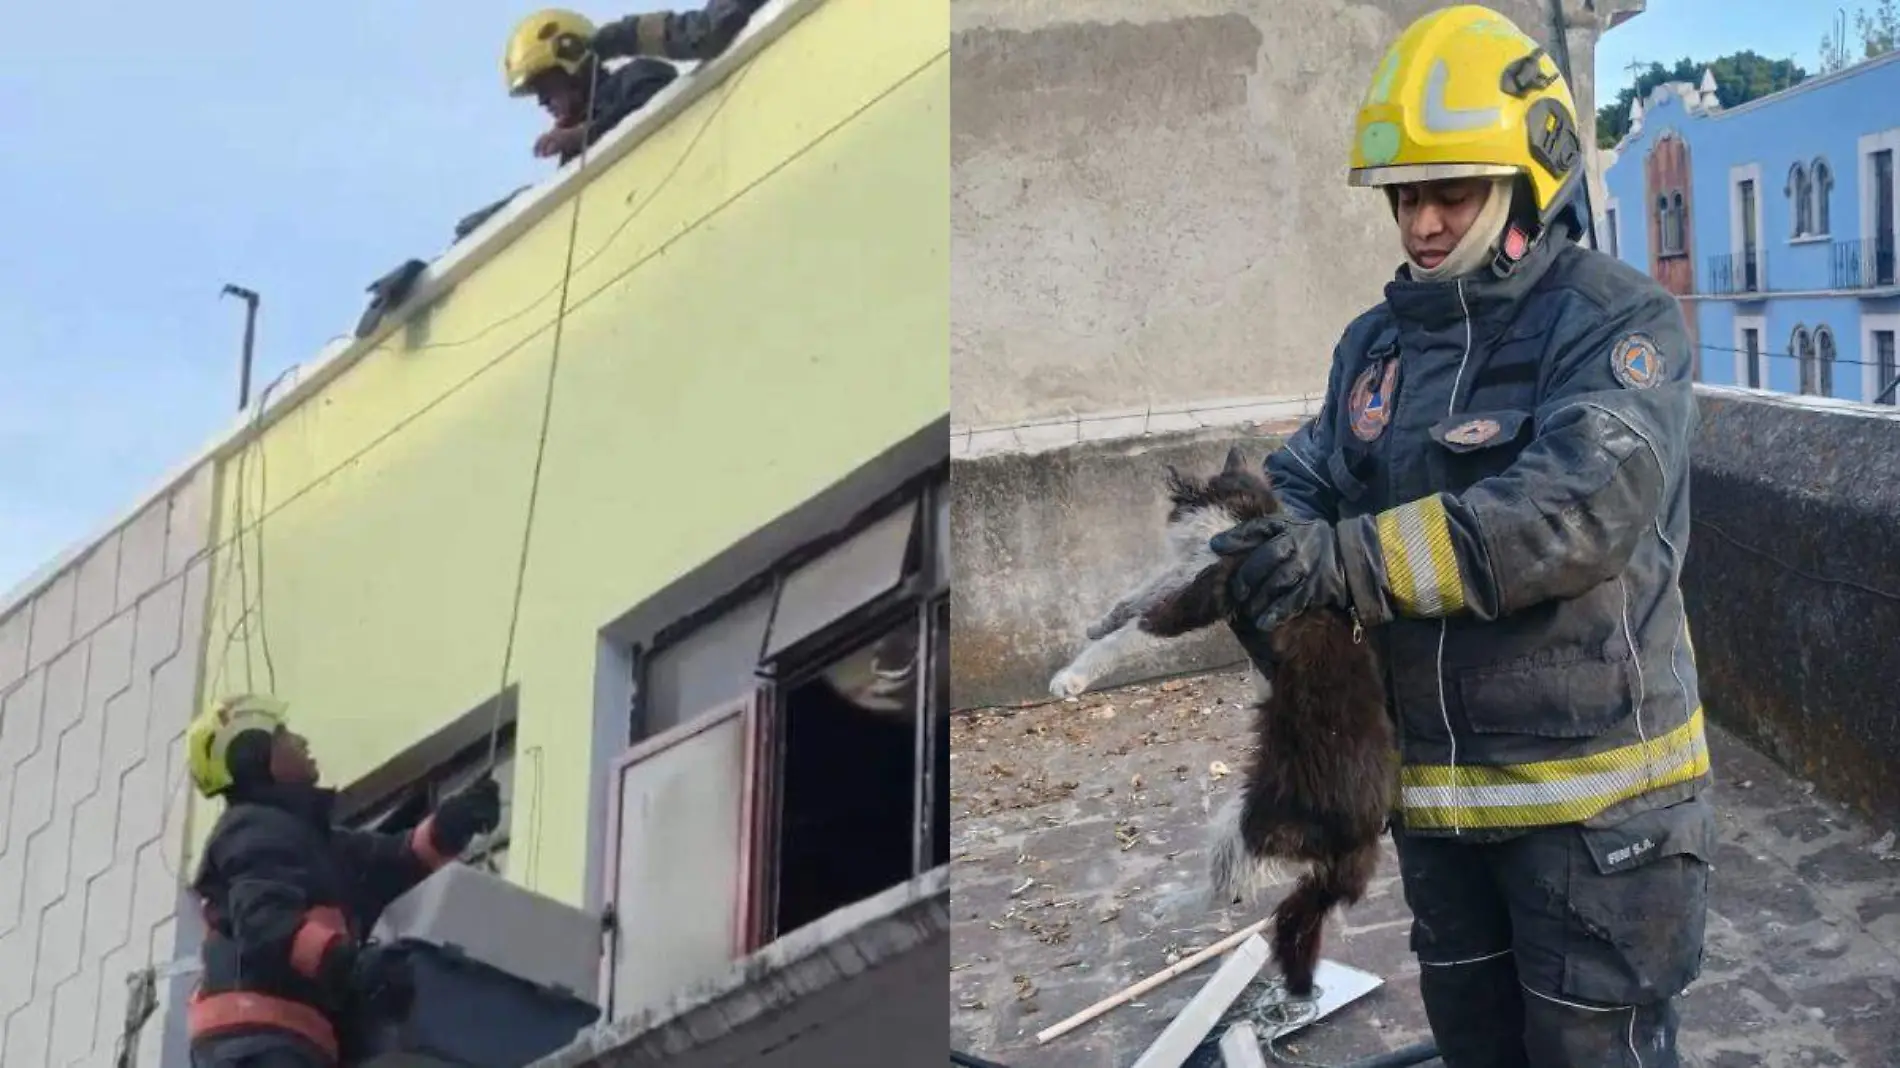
(301,381)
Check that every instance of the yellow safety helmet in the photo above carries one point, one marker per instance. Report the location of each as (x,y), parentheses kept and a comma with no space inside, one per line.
(208,739)
(543,41)
(1464,93)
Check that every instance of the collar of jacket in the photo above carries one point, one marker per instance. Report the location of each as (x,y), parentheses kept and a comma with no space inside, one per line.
(1482,295)
(313,804)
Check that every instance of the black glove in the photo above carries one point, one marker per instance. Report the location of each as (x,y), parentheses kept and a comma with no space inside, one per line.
(475,809)
(382,981)
(1291,565)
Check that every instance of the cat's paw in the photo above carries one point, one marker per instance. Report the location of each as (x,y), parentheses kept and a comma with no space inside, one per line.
(1234,875)
(1067,683)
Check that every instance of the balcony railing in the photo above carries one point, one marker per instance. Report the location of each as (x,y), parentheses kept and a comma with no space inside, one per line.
(1864,264)
(1736,272)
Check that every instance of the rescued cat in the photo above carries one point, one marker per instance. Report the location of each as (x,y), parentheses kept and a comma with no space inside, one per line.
(1321,783)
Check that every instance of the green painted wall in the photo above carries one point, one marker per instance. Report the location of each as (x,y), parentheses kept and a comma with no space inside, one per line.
(761,304)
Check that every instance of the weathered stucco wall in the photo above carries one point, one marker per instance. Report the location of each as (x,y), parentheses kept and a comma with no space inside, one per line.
(1148,198)
(98,678)
(1793,585)
(1047,542)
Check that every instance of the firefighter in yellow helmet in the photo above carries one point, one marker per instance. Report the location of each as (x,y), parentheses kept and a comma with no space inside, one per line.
(289,975)
(558,57)
(1497,489)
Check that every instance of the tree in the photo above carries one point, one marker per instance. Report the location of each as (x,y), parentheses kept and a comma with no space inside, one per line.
(1879,34)
(1739,78)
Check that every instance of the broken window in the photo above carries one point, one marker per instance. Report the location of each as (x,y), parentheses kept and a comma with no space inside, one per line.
(815,699)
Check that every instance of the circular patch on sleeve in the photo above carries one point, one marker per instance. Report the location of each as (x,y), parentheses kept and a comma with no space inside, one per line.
(1636,362)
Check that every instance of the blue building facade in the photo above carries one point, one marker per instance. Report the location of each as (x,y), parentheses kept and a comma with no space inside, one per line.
(1774,222)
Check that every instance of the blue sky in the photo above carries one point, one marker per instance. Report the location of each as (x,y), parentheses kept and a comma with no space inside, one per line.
(1705,29)
(301,150)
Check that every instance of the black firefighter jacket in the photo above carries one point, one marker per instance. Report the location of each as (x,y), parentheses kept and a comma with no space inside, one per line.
(1507,463)
(284,893)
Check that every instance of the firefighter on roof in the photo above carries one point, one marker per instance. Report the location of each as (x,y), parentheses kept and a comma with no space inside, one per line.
(288,899)
(1498,488)
(556,56)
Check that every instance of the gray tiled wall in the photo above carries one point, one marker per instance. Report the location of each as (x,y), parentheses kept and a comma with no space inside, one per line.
(98,676)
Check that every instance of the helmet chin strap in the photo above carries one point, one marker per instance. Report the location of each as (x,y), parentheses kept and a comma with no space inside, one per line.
(1480,243)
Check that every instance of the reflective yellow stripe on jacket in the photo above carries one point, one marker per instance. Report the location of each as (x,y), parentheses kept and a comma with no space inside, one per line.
(1441,797)
(1421,566)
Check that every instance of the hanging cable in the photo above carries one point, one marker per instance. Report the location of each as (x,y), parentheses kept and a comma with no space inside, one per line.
(541,439)
(249,608)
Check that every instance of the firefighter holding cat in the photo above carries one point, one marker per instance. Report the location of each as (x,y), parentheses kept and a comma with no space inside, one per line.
(1497,490)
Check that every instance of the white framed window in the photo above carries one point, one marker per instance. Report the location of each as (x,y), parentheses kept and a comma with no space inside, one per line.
(1747,266)
(1880,363)
(1877,153)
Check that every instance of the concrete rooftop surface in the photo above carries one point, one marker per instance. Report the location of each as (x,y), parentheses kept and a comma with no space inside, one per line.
(1078,845)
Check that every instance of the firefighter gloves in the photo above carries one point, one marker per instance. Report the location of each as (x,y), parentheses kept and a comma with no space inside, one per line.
(476,809)
(1291,565)
(381,980)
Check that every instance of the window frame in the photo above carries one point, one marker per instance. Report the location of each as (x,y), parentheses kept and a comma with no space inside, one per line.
(1887,371)
(919,597)
(435,781)
(1801,349)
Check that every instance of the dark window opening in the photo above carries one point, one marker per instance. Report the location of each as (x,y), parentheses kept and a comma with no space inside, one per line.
(1801,347)
(1751,349)
(1886,367)
(1824,365)
(847,828)
(1823,181)
(1883,254)
(1800,195)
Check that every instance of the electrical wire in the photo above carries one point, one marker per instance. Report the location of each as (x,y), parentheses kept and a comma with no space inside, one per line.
(408,420)
(1792,568)
(249,608)
(730,89)
(541,438)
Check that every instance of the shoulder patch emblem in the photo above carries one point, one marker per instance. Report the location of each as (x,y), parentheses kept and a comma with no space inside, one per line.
(1476,432)
(1369,405)
(1636,362)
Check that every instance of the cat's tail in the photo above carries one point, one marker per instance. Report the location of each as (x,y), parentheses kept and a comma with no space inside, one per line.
(1300,919)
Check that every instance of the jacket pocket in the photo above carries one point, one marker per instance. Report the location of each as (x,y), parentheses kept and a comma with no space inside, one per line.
(1569,696)
(1344,470)
(1479,445)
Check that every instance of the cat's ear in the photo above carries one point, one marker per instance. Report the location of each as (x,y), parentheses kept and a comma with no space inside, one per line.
(1236,463)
